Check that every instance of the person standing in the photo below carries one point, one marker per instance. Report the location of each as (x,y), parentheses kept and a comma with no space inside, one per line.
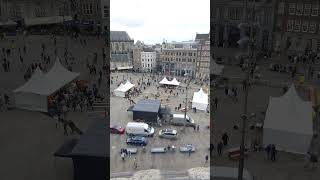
(207,158)
(225,138)
(219,148)
(268,150)
(273,152)
(135,164)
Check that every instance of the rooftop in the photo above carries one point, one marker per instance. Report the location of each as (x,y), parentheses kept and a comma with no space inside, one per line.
(202,36)
(147,105)
(119,36)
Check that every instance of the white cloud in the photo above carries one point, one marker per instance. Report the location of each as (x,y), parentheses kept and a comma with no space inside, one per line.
(152,21)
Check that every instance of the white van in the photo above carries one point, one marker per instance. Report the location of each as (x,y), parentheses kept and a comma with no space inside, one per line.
(178,119)
(139,129)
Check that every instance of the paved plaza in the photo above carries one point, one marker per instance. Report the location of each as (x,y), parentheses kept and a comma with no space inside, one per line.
(171,161)
(29,139)
(288,166)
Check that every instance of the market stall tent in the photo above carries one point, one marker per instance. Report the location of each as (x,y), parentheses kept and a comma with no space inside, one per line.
(33,95)
(200,100)
(25,99)
(123,89)
(175,82)
(164,81)
(288,123)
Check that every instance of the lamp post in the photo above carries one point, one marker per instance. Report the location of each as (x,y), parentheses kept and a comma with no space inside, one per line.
(186,100)
(246,89)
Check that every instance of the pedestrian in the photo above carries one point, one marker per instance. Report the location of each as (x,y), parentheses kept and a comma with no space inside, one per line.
(190,149)
(226,90)
(198,128)
(268,151)
(219,148)
(225,138)
(207,158)
(216,102)
(135,164)
(194,127)
(273,152)
(122,156)
(129,154)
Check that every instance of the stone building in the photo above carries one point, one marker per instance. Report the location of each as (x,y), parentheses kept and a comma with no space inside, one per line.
(297,26)
(148,60)
(226,15)
(137,58)
(179,61)
(121,49)
(203,56)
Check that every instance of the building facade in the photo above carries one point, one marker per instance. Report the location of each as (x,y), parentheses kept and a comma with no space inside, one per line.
(297,26)
(105,14)
(228,14)
(137,58)
(18,10)
(203,59)
(179,61)
(148,61)
(121,49)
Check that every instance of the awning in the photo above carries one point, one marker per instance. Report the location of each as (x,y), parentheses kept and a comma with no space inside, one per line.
(8,23)
(125,68)
(46,20)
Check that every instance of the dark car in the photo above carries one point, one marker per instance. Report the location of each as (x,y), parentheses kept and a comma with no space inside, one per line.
(137,140)
(114,129)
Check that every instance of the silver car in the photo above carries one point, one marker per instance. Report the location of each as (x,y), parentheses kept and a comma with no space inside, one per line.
(168,133)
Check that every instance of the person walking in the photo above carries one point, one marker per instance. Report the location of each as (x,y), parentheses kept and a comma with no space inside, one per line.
(135,164)
(219,148)
(225,138)
(189,152)
(198,128)
(211,148)
(268,150)
(273,152)
(207,158)
(216,102)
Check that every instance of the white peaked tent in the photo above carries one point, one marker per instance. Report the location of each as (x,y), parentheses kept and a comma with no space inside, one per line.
(175,82)
(216,69)
(200,100)
(25,99)
(123,89)
(288,123)
(164,81)
(33,95)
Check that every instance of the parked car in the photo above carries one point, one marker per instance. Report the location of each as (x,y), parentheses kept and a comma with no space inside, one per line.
(168,133)
(115,129)
(137,140)
(139,129)
(178,120)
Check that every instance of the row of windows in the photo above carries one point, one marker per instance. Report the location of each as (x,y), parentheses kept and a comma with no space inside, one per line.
(300,9)
(181,59)
(149,65)
(180,53)
(148,60)
(87,8)
(299,26)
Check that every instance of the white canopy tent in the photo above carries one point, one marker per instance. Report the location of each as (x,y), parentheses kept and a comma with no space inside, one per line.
(173,82)
(164,81)
(33,95)
(216,69)
(288,123)
(200,100)
(123,89)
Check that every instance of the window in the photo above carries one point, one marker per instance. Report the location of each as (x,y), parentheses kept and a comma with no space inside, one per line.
(292,8)
(307,9)
(281,8)
(194,54)
(151,65)
(305,26)
(290,25)
(87,9)
(315,10)
(148,65)
(297,25)
(106,11)
(299,11)
(39,12)
(312,28)
(194,60)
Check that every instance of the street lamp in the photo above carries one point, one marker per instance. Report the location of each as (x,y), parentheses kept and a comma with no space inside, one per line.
(186,100)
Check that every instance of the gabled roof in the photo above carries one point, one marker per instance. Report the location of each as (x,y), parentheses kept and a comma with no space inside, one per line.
(119,36)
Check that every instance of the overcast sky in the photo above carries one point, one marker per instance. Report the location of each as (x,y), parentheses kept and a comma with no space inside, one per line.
(152,21)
